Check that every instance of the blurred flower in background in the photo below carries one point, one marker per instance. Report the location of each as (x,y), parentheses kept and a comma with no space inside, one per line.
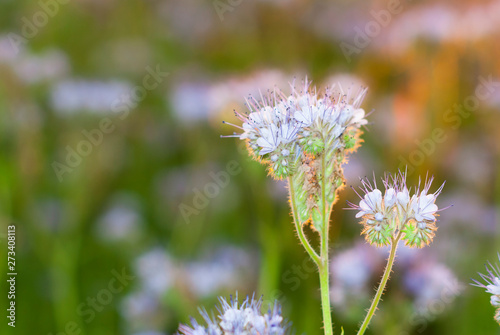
(351,272)
(84,95)
(430,282)
(207,100)
(228,268)
(32,69)
(156,271)
(220,270)
(355,271)
(121,220)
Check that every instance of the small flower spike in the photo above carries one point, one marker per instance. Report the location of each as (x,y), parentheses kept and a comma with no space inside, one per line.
(236,319)
(492,286)
(384,216)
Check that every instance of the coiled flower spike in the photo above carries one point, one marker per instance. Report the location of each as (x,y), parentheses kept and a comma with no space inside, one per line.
(395,212)
(395,216)
(279,129)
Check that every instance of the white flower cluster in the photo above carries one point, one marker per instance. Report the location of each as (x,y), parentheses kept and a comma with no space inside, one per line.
(280,127)
(244,319)
(492,286)
(395,211)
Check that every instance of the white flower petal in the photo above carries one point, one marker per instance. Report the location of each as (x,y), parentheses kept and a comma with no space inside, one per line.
(374,199)
(493,289)
(403,198)
(360,214)
(390,197)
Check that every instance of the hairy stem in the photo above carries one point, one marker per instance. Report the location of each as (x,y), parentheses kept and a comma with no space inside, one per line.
(298,225)
(324,273)
(325,297)
(381,288)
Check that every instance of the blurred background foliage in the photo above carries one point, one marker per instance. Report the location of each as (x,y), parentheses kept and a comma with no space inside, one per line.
(121,206)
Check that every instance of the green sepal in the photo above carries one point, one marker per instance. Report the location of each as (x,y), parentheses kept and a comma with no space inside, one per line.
(301,197)
(378,238)
(313,145)
(281,171)
(415,237)
(350,141)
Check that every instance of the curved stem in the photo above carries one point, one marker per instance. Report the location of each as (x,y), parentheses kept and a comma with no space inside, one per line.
(298,225)
(381,288)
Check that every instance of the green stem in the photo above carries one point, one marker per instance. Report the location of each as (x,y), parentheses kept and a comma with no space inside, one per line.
(324,282)
(324,273)
(298,225)
(381,288)
(325,299)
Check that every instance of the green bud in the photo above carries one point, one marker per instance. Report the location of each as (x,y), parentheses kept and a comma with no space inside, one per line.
(302,196)
(329,169)
(313,145)
(331,197)
(350,141)
(280,169)
(304,215)
(416,237)
(378,235)
(328,187)
(301,207)
(317,219)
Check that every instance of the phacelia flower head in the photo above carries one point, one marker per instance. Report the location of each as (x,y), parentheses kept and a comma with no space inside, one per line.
(491,285)
(395,214)
(239,319)
(279,129)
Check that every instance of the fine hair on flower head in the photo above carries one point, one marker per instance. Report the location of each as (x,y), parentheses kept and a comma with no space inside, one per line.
(395,212)
(278,128)
(238,319)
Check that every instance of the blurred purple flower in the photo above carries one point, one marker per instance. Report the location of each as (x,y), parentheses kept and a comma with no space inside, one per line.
(156,271)
(228,268)
(471,211)
(142,312)
(199,101)
(33,68)
(431,283)
(70,96)
(121,221)
(351,271)
(354,269)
